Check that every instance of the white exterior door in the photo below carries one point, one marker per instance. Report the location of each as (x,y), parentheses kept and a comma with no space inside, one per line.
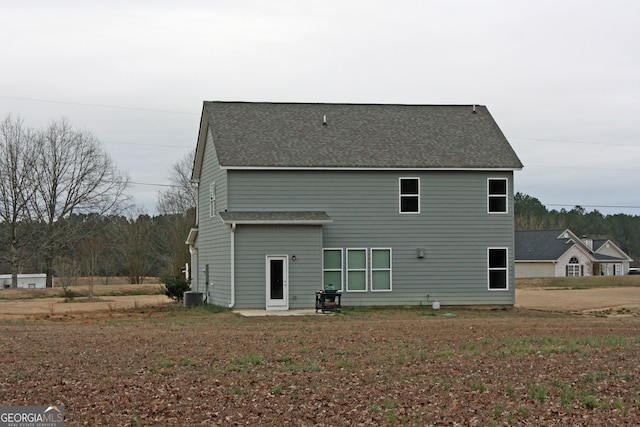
(277,275)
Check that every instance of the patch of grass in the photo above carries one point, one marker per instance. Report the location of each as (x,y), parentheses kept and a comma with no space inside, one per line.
(163,362)
(524,412)
(509,390)
(477,386)
(244,364)
(185,362)
(11,322)
(345,364)
(591,282)
(538,393)
(285,358)
(19,376)
(590,401)
(276,390)
(567,396)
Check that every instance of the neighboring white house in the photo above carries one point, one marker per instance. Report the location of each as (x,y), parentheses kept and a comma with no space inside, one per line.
(25,281)
(552,253)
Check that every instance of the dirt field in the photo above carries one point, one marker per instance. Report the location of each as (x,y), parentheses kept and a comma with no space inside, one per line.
(171,366)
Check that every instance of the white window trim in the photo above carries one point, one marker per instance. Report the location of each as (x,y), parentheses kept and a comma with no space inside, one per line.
(574,267)
(341,270)
(408,195)
(390,269)
(366,270)
(506,196)
(489,269)
(212,200)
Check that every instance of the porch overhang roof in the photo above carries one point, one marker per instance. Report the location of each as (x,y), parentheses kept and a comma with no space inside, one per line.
(191,238)
(276,218)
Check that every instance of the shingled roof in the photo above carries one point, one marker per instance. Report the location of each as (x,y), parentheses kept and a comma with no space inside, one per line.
(540,245)
(304,135)
(549,245)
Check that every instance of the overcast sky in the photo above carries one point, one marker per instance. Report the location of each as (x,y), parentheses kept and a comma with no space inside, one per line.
(561,78)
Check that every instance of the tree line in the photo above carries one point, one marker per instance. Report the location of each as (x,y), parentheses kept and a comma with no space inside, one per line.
(622,229)
(64,208)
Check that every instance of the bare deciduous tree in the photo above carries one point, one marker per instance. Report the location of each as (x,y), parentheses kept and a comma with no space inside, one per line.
(177,204)
(182,195)
(74,175)
(17,157)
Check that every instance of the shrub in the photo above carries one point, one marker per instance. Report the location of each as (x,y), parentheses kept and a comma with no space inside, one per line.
(176,286)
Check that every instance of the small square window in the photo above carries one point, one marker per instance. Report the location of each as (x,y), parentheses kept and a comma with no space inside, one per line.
(409,195)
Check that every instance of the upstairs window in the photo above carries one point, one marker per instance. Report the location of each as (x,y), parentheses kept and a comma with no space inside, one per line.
(409,195)
(497,195)
(498,270)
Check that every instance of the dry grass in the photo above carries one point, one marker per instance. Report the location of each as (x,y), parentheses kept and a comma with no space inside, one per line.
(114,286)
(586,282)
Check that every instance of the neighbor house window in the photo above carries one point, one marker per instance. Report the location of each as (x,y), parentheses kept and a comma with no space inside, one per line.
(332,268)
(357,270)
(498,270)
(212,200)
(380,269)
(497,195)
(409,195)
(574,268)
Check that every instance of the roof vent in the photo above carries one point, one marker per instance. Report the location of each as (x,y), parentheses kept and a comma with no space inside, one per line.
(474,109)
(324,120)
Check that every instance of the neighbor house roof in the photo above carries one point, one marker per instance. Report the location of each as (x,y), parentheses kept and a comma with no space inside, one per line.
(549,245)
(540,245)
(304,135)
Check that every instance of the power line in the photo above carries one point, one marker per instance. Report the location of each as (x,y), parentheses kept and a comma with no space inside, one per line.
(114,107)
(577,142)
(155,185)
(582,168)
(592,206)
(144,144)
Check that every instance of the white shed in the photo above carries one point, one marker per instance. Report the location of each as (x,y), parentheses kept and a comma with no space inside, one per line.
(25,281)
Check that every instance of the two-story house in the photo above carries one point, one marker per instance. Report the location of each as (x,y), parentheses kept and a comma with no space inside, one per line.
(391,204)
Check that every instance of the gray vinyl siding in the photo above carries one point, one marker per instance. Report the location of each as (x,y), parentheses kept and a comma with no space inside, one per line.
(214,239)
(254,242)
(453,226)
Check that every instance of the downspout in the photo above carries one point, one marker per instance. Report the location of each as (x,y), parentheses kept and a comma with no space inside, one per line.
(233,265)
